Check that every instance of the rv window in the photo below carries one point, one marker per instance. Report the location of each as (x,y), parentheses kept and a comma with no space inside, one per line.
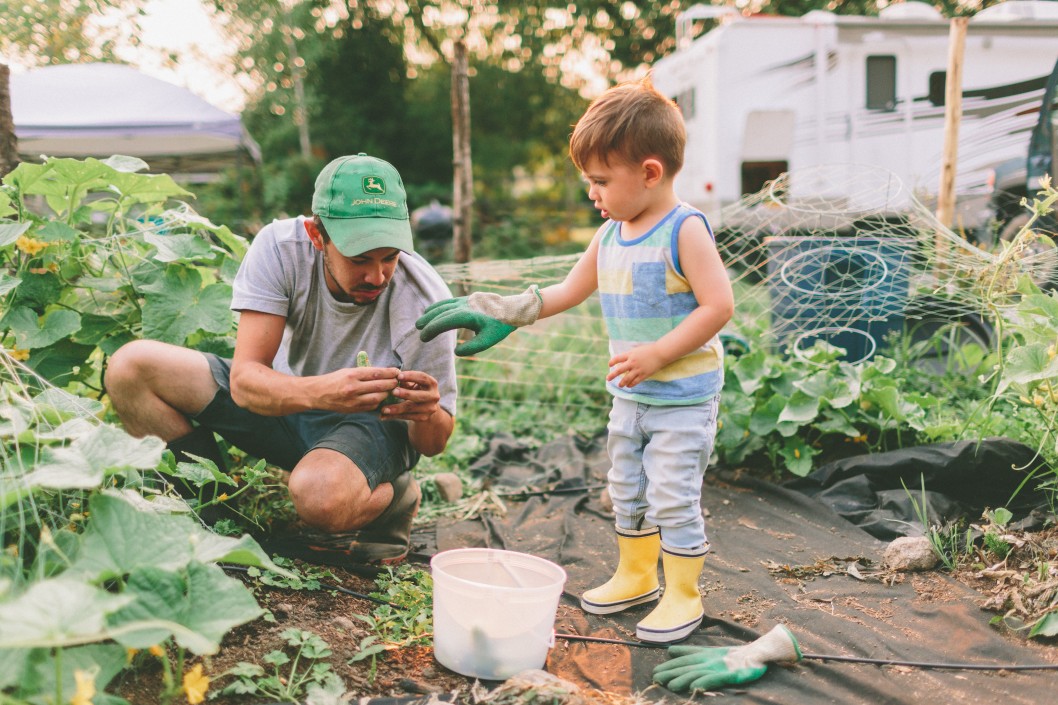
(938,81)
(756,175)
(881,83)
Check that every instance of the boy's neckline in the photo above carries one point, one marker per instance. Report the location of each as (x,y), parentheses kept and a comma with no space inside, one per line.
(625,240)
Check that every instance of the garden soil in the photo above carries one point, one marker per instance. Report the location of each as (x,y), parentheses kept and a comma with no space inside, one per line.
(778,556)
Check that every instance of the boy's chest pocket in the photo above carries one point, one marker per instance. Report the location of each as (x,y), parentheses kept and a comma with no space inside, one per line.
(648,284)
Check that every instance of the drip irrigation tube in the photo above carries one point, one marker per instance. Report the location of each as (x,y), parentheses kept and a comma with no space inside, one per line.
(806,656)
(845,659)
(558,490)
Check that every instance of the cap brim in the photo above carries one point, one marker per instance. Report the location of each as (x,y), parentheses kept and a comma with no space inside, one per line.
(355,236)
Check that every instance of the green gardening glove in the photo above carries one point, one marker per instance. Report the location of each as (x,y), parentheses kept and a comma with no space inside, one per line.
(709,668)
(492,317)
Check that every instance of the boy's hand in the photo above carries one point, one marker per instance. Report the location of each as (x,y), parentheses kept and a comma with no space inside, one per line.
(492,317)
(634,366)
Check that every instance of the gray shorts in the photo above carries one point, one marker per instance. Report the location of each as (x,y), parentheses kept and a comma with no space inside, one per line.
(380,449)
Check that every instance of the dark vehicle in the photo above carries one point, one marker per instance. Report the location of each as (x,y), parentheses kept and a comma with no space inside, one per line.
(1043,148)
(1020,179)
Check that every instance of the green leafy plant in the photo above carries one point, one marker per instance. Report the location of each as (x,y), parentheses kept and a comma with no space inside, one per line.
(995,544)
(949,542)
(92,255)
(369,648)
(794,411)
(406,618)
(1026,374)
(289,677)
(295,576)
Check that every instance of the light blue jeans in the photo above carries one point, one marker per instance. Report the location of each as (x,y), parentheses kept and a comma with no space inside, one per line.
(659,455)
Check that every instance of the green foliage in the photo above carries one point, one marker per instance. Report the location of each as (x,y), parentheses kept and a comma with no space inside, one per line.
(59,32)
(996,544)
(369,648)
(288,678)
(95,561)
(296,575)
(407,617)
(91,257)
(801,410)
(1026,376)
(949,542)
(405,620)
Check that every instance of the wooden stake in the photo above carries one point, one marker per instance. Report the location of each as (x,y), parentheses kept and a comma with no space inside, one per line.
(952,116)
(463,175)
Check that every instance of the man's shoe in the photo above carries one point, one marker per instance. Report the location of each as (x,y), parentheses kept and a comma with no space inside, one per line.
(385,541)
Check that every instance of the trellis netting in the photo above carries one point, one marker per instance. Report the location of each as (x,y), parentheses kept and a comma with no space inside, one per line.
(856,264)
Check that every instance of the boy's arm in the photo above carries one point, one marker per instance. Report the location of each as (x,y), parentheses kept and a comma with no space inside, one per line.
(493,317)
(709,282)
(580,283)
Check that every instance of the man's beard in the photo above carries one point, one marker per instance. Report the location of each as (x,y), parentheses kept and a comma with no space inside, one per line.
(346,296)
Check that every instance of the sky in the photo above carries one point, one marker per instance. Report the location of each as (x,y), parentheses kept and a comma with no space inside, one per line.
(184,27)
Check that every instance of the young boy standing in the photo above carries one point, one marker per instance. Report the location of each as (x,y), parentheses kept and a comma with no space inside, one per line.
(665,296)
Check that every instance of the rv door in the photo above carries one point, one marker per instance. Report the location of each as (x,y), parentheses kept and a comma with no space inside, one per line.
(767,139)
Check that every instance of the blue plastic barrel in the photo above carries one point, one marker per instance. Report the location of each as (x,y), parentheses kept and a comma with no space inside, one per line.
(848,291)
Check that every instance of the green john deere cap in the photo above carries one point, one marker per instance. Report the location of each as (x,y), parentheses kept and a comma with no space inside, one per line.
(362,204)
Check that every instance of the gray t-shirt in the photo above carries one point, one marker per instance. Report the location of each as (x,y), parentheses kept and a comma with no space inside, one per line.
(283,274)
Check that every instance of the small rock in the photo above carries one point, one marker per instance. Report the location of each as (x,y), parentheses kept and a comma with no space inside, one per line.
(282,610)
(344,623)
(449,486)
(910,553)
(606,501)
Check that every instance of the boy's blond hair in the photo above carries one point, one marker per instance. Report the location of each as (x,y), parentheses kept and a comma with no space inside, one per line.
(631,122)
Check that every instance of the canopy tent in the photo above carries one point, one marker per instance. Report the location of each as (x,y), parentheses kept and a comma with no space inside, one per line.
(97,110)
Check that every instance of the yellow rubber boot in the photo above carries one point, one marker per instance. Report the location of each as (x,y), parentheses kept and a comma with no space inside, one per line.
(636,579)
(680,611)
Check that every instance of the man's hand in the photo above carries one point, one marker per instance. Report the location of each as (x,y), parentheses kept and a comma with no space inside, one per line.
(492,317)
(356,389)
(419,397)
(708,668)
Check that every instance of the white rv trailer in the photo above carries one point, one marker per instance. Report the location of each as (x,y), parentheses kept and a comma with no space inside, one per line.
(764,95)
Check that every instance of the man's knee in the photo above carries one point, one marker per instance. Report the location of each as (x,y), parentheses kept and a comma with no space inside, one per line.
(329,498)
(125,368)
(155,386)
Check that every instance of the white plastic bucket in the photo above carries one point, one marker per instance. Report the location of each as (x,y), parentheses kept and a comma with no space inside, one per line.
(494,611)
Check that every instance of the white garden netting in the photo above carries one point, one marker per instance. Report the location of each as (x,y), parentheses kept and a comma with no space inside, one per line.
(861,263)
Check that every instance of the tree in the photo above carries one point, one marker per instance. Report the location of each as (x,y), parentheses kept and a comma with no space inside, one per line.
(44,32)
(8,141)
(339,77)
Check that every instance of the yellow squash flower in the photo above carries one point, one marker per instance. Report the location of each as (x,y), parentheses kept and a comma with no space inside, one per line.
(29,245)
(86,688)
(195,685)
(17,354)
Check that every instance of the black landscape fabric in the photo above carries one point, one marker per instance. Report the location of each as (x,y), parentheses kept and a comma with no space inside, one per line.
(778,556)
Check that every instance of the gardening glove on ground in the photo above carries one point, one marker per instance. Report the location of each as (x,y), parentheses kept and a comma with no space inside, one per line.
(492,317)
(708,668)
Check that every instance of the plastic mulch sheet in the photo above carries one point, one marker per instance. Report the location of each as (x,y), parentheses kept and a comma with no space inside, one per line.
(778,555)
(878,492)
